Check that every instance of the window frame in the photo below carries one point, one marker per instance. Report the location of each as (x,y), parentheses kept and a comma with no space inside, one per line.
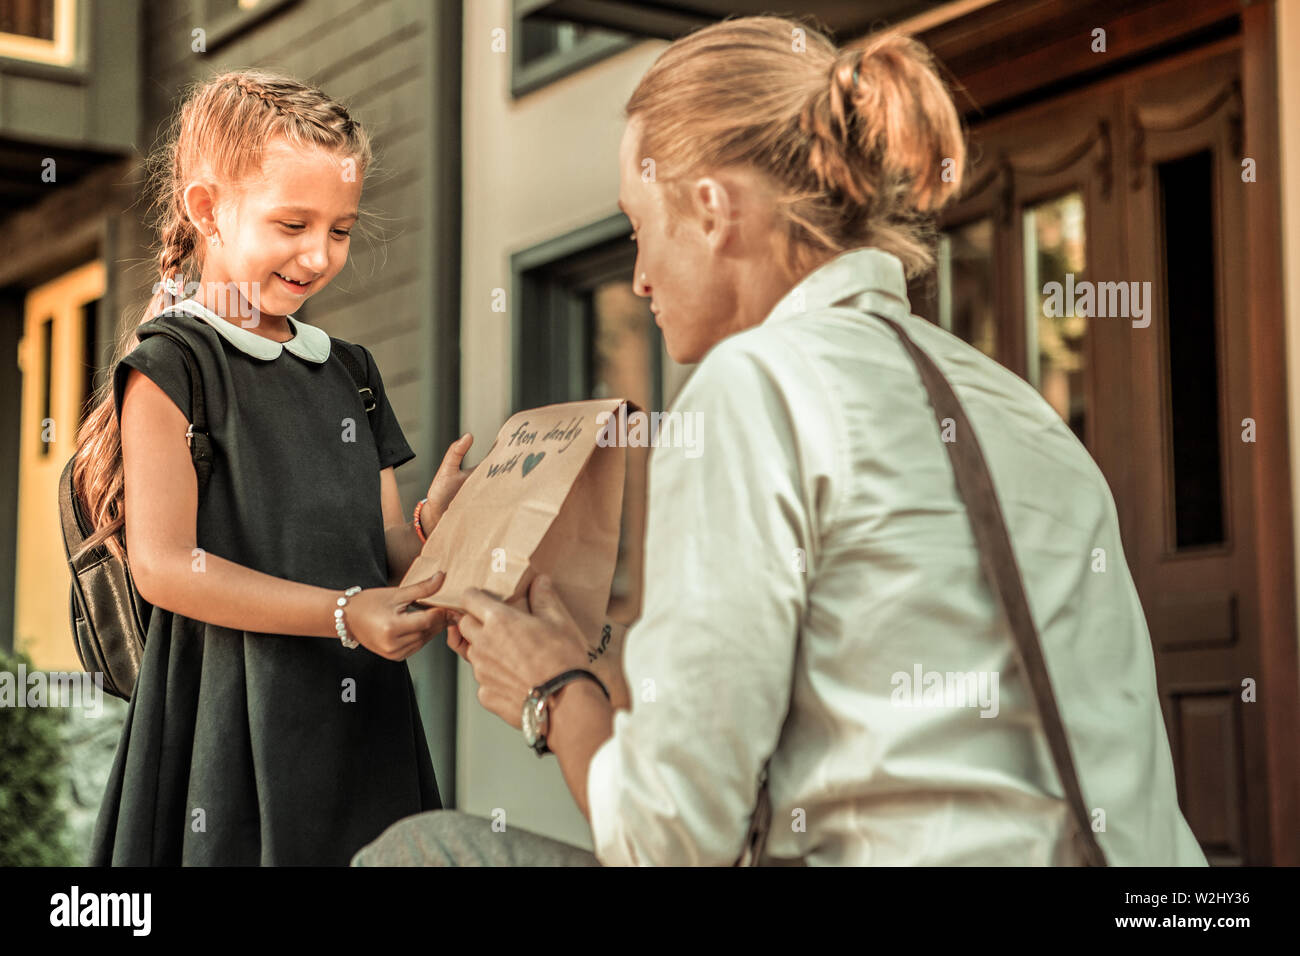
(64,57)
(527,78)
(228,24)
(559,310)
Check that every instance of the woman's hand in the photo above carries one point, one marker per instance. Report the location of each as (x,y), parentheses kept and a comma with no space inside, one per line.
(512,651)
(446,482)
(376,618)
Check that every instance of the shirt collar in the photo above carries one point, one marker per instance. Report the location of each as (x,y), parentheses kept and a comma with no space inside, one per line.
(850,279)
(308,342)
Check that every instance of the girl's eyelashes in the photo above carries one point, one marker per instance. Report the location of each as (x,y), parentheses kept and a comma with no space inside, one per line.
(296,226)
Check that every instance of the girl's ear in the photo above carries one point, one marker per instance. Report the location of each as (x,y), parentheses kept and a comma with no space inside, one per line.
(200,206)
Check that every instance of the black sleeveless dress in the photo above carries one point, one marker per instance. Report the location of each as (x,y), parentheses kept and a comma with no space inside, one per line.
(242,748)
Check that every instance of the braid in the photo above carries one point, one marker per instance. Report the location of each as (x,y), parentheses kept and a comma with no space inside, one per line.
(313,111)
(176,233)
(262,92)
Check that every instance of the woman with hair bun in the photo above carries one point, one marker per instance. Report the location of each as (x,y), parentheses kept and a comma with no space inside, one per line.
(814,570)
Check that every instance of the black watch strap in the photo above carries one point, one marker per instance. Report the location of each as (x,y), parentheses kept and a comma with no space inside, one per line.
(544,690)
(568,677)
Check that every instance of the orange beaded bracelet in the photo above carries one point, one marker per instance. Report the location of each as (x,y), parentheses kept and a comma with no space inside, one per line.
(418,529)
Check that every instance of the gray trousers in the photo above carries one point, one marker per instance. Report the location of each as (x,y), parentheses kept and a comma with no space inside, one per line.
(453,838)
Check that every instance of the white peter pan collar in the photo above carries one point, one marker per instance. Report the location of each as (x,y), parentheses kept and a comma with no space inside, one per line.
(308,342)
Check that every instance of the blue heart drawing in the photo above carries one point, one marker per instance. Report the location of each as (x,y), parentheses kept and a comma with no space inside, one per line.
(531,461)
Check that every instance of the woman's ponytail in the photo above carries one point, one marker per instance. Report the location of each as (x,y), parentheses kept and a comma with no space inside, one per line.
(897,120)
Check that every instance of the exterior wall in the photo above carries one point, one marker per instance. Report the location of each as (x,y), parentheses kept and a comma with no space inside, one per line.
(535,168)
(1288,125)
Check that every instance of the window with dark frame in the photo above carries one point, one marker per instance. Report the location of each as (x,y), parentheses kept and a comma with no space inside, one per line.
(545,49)
(583,333)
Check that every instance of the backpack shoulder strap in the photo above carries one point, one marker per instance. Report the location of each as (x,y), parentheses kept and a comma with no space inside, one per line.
(358,376)
(197,436)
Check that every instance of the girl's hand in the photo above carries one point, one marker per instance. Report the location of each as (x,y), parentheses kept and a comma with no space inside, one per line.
(446,483)
(376,618)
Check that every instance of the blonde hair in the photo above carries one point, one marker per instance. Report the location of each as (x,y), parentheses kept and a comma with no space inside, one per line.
(862,146)
(221,129)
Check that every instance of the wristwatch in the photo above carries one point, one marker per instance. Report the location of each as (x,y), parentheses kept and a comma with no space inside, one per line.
(536,716)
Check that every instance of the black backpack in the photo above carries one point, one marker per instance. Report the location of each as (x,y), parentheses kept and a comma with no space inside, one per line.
(109,617)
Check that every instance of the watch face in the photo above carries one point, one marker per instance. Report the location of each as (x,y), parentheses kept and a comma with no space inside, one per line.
(534,719)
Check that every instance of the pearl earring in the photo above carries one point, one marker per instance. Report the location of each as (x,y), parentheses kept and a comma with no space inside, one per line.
(214,239)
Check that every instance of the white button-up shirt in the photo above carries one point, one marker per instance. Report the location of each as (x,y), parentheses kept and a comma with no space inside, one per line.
(813,592)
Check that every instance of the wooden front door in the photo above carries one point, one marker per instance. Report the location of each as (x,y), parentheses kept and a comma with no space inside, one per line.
(57,355)
(1132,191)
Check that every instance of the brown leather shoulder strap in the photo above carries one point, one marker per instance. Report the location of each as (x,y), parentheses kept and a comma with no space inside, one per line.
(975,485)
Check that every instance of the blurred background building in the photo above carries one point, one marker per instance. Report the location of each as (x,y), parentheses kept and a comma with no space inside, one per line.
(1112,140)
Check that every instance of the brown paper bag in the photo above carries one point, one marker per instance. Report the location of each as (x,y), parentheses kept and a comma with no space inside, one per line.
(546,499)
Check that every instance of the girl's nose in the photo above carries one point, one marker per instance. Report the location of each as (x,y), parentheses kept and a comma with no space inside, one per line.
(316,257)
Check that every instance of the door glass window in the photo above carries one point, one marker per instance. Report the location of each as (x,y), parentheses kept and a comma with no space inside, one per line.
(965,286)
(1187,208)
(1055,259)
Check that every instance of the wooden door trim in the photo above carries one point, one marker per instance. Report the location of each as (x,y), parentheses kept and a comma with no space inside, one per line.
(1043,40)
(1279,678)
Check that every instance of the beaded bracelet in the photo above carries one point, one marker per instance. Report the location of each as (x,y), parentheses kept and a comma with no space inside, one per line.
(419,529)
(339,625)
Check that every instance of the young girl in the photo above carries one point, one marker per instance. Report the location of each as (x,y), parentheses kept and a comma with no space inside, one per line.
(258,732)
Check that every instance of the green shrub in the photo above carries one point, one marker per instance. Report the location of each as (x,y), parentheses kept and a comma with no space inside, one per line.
(32,819)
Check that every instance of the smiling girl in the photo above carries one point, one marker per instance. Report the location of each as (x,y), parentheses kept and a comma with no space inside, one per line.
(259,732)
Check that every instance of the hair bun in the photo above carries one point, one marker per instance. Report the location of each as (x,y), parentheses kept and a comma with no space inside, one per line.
(892,123)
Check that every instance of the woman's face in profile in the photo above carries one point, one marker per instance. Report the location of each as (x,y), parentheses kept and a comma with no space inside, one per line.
(689,283)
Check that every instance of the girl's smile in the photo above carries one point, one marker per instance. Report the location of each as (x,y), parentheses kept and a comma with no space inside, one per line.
(295,288)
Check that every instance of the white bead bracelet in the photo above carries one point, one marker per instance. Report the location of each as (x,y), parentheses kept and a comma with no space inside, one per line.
(339,624)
